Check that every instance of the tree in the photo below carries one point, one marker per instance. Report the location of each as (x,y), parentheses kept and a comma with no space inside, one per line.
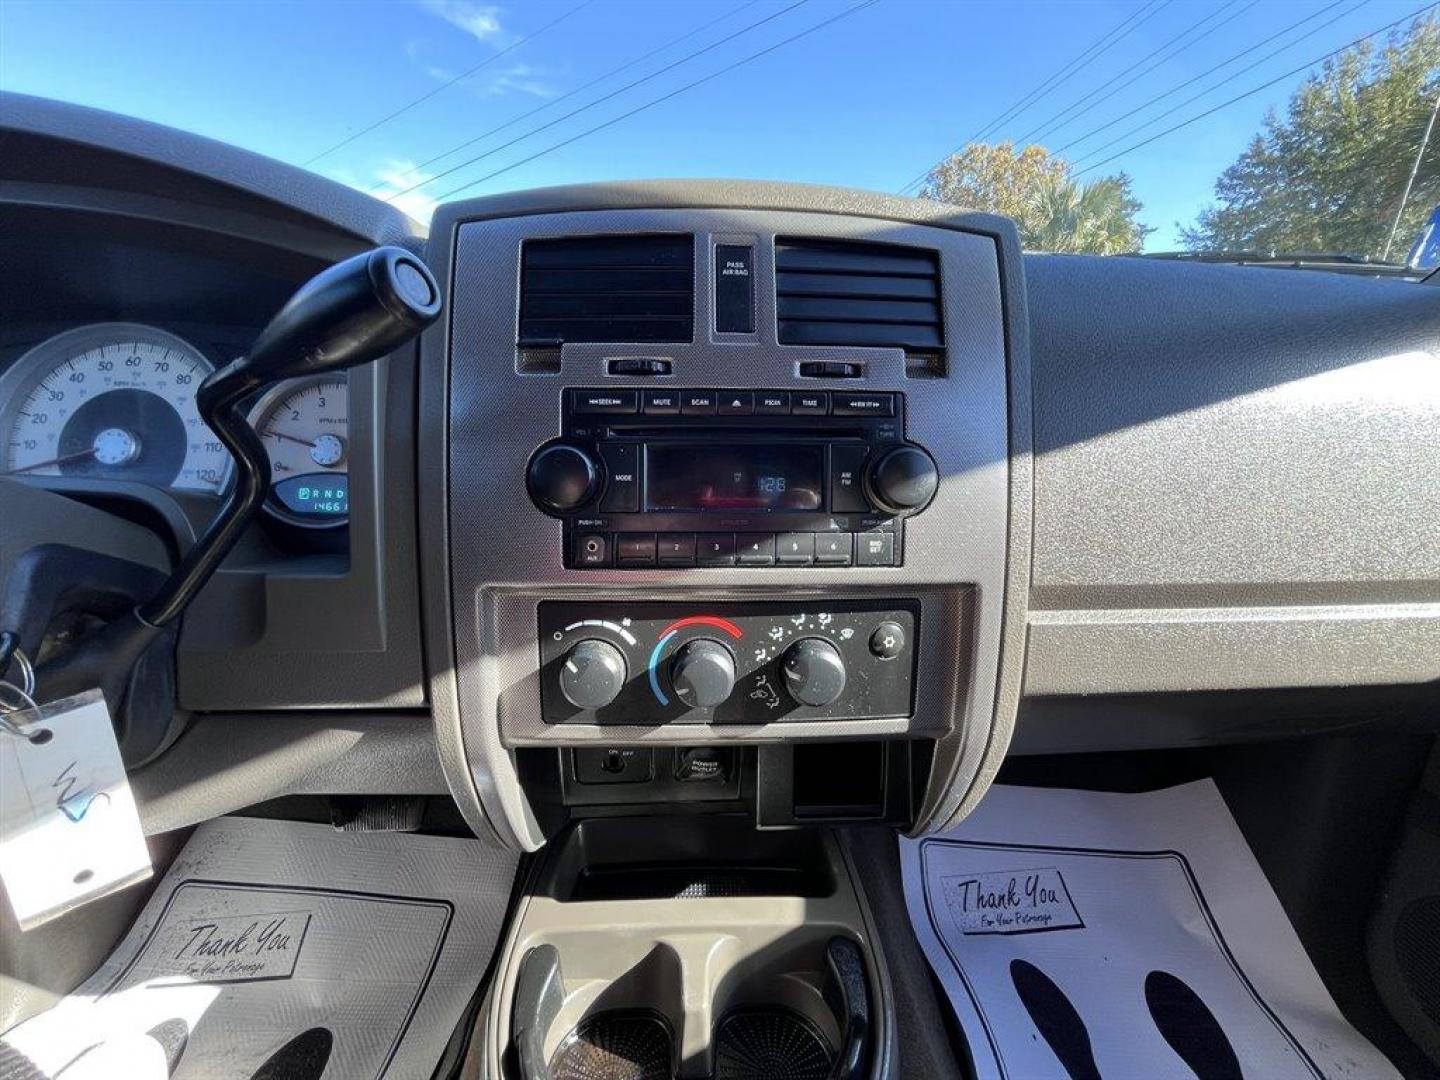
(1330,176)
(1054,211)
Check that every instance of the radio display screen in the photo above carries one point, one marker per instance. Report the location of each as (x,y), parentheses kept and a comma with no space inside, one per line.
(737,477)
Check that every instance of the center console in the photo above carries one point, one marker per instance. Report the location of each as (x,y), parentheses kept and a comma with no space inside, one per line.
(731,487)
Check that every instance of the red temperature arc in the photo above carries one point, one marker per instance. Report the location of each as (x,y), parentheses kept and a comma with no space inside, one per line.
(705,620)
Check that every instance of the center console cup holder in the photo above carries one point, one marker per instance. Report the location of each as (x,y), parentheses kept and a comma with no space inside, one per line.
(794,1010)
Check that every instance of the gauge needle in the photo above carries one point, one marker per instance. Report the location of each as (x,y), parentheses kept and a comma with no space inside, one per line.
(292,438)
(53,461)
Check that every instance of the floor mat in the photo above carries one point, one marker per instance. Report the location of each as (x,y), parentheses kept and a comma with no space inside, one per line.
(1087,934)
(288,951)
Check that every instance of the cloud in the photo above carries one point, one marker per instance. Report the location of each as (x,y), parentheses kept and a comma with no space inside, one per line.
(415,53)
(390,178)
(480,21)
(519,79)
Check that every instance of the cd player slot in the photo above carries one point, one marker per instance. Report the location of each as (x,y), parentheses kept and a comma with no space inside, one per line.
(690,432)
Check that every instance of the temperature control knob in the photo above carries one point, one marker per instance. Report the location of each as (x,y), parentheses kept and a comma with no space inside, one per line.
(703,673)
(814,671)
(592,674)
(562,478)
(904,478)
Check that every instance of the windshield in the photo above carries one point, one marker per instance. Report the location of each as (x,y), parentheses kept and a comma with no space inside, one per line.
(1222,126)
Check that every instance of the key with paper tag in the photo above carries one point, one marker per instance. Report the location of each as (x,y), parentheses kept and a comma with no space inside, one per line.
(69,829)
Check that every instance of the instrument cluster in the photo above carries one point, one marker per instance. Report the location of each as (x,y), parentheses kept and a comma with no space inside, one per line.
(117,402)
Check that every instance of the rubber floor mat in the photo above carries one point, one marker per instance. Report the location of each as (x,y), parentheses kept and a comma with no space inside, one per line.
(1089,934)
(285,951)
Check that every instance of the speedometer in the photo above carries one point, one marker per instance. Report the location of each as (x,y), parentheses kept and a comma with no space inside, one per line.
(114,401)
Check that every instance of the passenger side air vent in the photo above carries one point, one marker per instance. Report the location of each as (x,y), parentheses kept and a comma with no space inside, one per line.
(844,293)
(607,289)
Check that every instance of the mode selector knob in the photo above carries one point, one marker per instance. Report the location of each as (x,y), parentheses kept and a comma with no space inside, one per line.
(592,674)
(562,478)
(703,673)
(814,671)
(904,478)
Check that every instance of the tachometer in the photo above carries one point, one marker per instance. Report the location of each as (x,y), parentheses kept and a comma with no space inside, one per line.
(114,401)
(305,425)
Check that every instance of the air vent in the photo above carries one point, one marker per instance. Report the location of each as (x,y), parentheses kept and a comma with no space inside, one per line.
(607,289)
(840,293)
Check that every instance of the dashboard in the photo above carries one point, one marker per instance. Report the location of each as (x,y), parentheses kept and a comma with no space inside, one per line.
(707,493)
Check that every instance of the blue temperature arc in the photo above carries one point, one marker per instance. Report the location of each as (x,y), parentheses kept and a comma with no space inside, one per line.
(654,662)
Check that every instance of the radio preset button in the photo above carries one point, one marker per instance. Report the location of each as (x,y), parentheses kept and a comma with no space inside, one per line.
(635,549)
(715,549)
(795,548)
(737,402)
(833,549)
(606,402)
(662,402)
(697,402)
(772,403)
(804,403)
(676,549)
(846,404)
(622,488)
(756,549)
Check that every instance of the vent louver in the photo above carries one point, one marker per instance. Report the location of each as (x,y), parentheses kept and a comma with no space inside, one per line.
(619,288)
(844,293)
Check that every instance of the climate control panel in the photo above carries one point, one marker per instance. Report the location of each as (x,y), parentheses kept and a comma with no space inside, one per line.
(726,663)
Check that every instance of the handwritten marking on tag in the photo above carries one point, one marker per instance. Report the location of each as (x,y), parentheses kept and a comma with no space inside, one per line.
(69,829)
(1011,902)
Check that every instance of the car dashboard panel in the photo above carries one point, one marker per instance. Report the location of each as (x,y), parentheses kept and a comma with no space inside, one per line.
(710,492)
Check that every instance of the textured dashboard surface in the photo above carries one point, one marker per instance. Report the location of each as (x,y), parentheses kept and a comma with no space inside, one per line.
(1235,477)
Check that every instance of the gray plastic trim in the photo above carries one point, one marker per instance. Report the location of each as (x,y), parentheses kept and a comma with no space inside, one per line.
(1236,478)
(976,421)
(223,763)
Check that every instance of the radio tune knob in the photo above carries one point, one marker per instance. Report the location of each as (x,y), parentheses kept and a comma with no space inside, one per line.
(592,674)
(562,478)
(703,673)
(814,671)
(904,478)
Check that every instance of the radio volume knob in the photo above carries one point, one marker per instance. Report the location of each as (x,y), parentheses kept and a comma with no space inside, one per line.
(814,672)
(562,478)
(703,673)
(592,674)
(904,478)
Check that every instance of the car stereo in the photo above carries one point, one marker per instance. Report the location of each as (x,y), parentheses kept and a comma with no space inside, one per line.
(714,477)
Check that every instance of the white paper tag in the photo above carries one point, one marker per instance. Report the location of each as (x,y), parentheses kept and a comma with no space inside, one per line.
(69,830)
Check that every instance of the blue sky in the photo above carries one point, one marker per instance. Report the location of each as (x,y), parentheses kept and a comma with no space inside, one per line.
(868,101)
